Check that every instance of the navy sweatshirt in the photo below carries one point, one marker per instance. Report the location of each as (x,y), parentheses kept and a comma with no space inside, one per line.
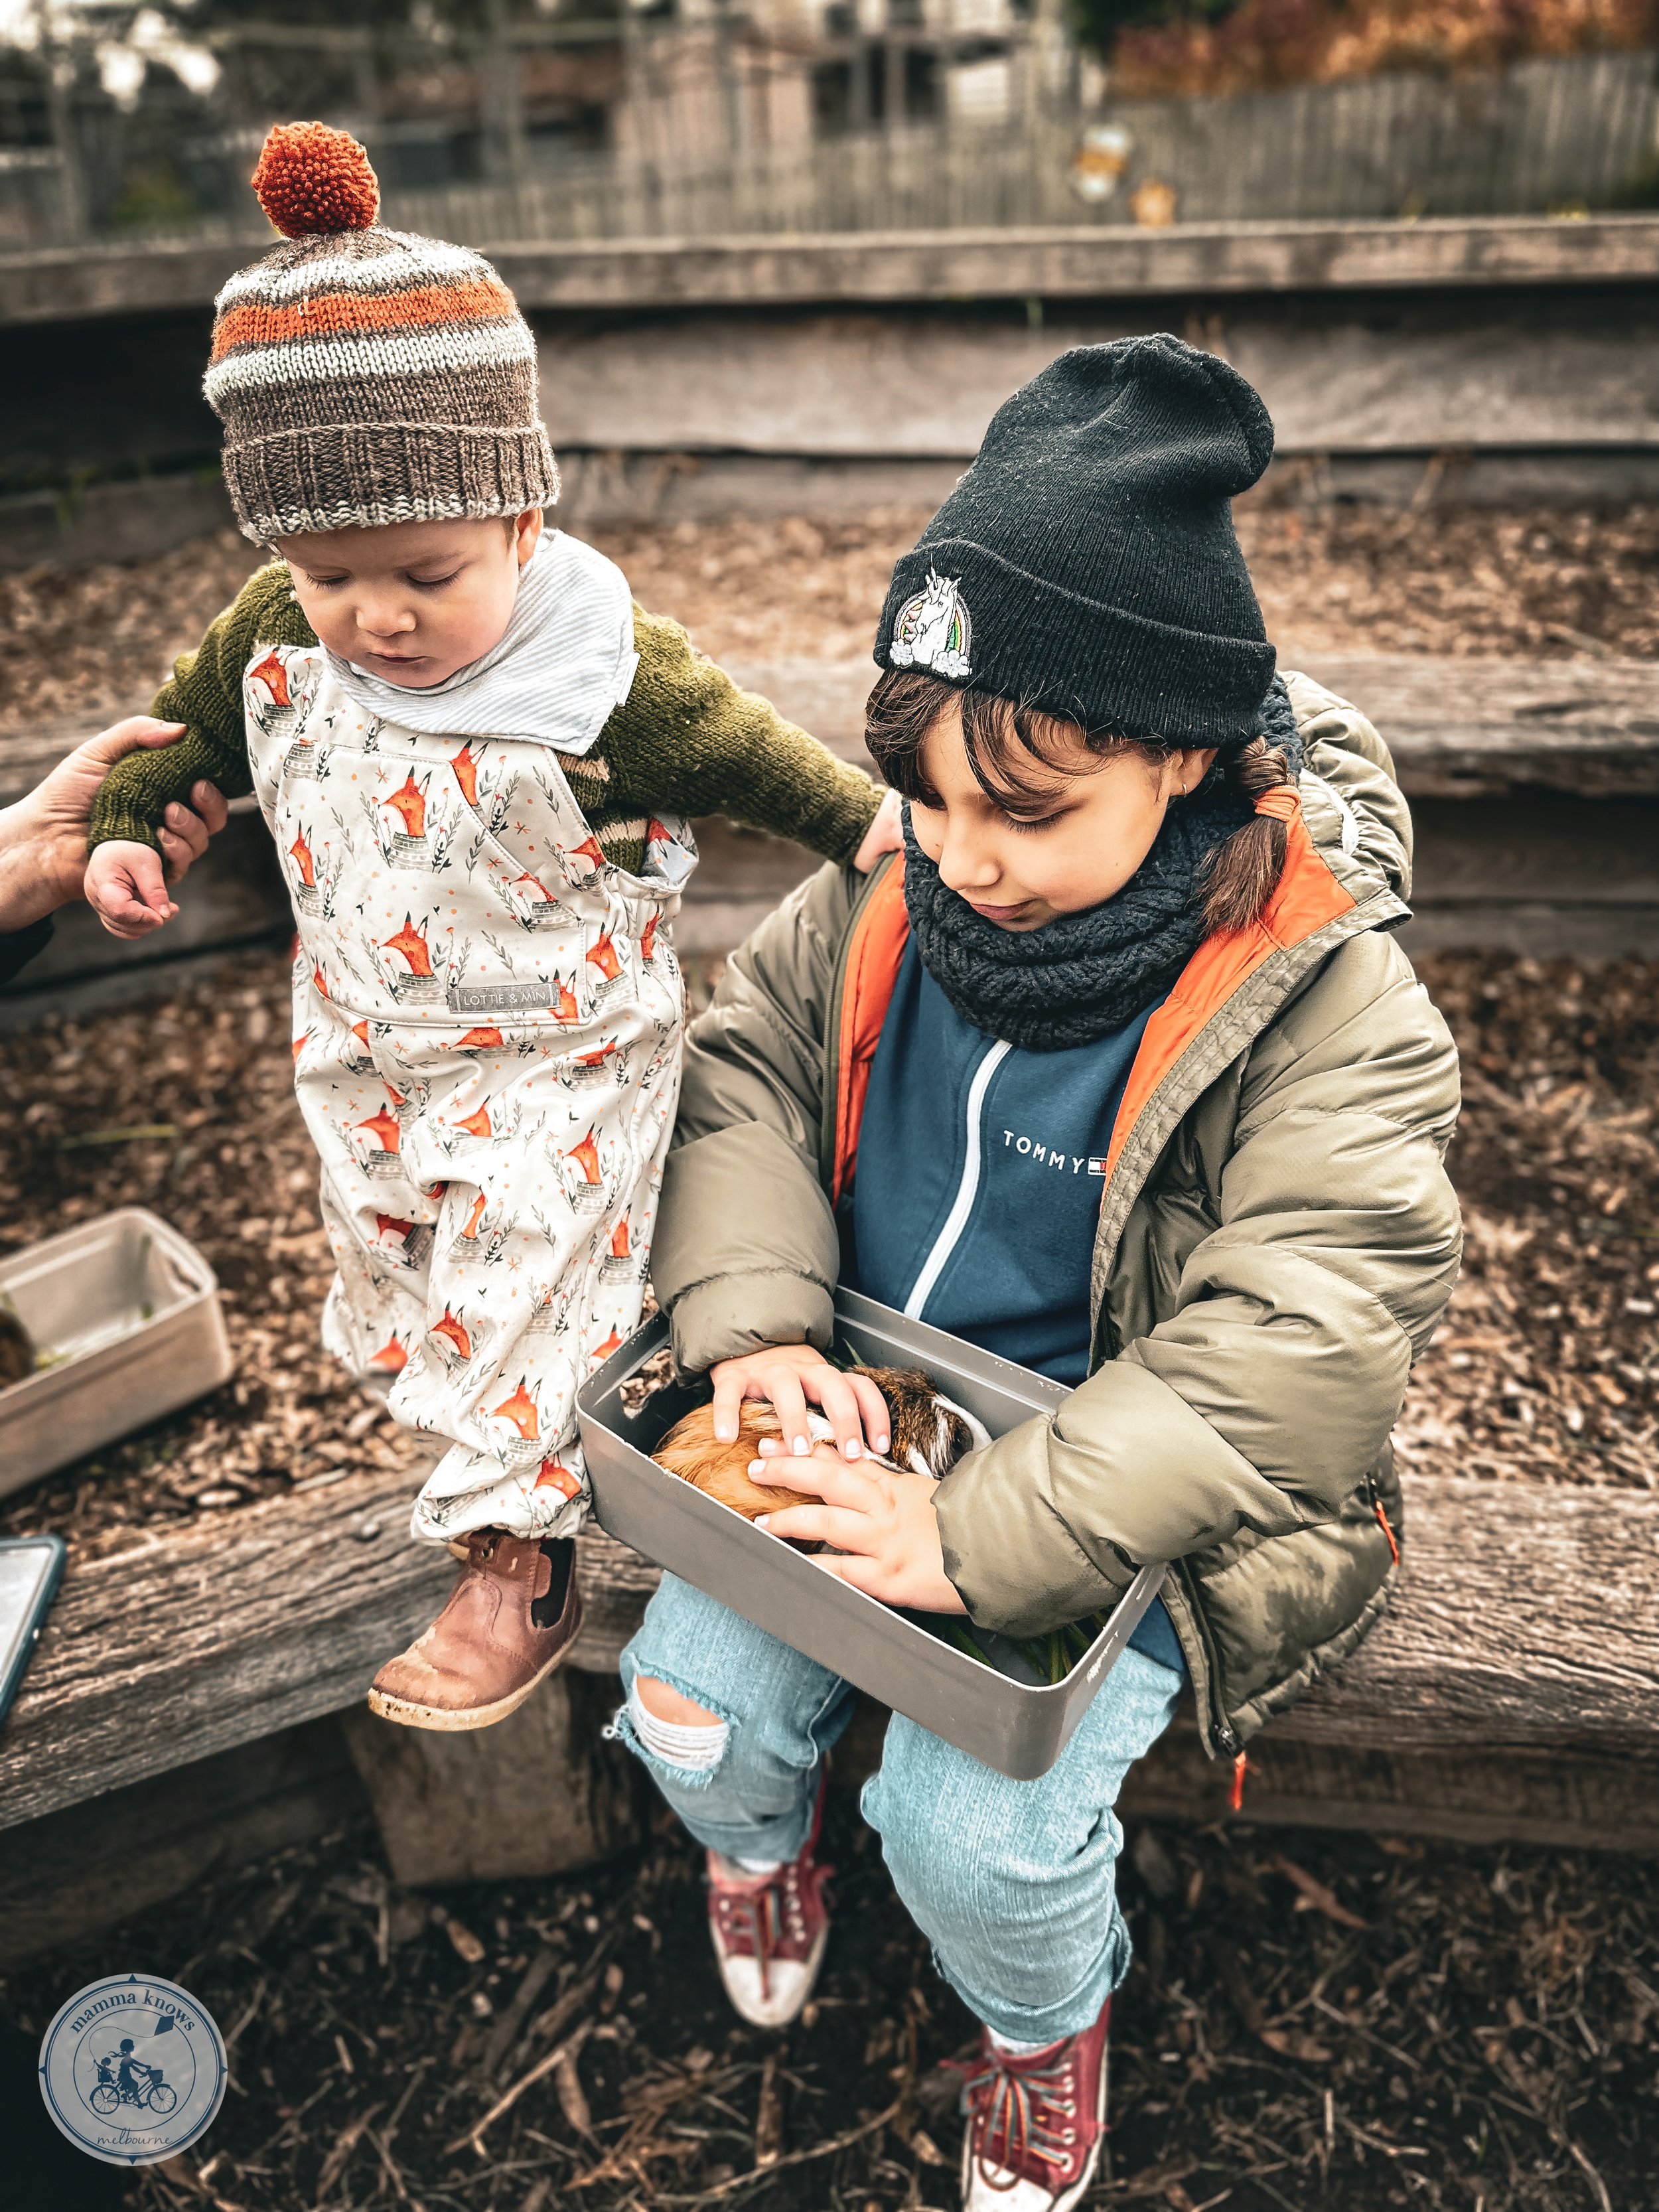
(979,1174)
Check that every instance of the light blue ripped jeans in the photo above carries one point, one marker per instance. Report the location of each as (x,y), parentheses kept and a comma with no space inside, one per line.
(1013,1883)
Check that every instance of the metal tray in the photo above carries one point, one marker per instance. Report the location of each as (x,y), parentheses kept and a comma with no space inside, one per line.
(129,1312)
(1019,1727)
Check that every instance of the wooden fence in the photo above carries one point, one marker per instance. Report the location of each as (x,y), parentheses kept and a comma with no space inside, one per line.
(1541,137)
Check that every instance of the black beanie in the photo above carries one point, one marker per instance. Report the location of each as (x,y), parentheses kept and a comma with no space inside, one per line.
(1086,563)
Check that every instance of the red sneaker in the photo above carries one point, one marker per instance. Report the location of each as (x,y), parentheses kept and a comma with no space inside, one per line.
(769,1931)
(1035,2124)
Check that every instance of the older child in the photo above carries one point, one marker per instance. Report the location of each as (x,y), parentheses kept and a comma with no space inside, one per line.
(1121,1073)
(476,756)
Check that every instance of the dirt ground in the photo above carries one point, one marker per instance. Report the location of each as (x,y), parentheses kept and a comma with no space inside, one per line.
(90,645)
(1312,2024)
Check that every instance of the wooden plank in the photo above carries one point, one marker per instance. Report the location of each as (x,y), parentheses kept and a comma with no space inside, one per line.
(1480,728)
(530,1796)
(1525,1624)
(242,1626)
(923,384)
(60,1876)
(1534,929)
(1539,872)
(1471,728)
(120,522)
(606,490)
(1108,260)
(1563,1798)
(1525,870)
(1526,1619)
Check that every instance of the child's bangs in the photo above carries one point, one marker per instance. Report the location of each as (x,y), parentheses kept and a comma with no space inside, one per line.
(1014,750)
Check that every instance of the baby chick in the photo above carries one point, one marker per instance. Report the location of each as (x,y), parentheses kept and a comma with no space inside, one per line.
(930,1433)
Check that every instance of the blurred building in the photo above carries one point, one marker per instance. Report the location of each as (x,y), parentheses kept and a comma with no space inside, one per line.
(118,114)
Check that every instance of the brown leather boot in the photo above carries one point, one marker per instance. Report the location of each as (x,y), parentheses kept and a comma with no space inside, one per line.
(510,1619)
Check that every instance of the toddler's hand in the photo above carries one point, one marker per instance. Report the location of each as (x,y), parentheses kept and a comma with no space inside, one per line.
(885,834)
(126,889)
(788,1375)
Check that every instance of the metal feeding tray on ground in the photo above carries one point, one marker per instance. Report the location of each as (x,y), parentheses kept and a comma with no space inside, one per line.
(998,1712)
(123,1315)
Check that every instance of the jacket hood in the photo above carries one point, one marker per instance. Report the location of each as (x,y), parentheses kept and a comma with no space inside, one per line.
(1351,803)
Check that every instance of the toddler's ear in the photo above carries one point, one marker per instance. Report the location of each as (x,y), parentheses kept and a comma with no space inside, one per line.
(126,889)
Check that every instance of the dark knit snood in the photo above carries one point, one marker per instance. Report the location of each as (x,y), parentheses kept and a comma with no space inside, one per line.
(1082,976)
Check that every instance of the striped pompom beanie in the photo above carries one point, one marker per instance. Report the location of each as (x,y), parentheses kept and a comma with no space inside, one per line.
(365,376)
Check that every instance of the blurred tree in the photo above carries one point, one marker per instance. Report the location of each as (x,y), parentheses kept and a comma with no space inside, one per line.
(1098,22)
(1177,47)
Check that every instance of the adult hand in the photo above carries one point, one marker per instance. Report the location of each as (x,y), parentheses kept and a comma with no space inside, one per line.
(788,1375)
(880,1518)
(43,837)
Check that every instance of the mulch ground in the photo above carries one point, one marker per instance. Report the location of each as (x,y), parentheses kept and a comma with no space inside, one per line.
(1314,2021)
(1547,1362)
(89,644)
(1311,2023)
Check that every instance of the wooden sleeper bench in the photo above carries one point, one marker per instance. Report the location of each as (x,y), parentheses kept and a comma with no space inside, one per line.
(1511,1692)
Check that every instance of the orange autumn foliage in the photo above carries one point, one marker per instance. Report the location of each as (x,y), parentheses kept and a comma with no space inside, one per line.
(1267,45)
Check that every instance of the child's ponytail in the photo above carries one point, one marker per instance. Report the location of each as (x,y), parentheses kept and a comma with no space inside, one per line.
(1243,874)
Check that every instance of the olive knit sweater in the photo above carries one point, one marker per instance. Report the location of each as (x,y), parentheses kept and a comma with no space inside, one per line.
(685,740)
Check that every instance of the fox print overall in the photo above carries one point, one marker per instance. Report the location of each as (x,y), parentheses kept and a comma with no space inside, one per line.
(487,1035)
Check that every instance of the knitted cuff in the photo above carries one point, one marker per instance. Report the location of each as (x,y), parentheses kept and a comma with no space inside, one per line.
(840,829)
(138,790)
(117,822)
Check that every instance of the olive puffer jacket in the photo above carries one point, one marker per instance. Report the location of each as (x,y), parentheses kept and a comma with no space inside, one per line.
(1277,1240)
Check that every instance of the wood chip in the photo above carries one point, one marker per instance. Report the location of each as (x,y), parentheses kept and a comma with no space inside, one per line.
(1315,1896)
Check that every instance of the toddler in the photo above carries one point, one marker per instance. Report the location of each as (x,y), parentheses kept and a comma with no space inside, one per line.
(476,757)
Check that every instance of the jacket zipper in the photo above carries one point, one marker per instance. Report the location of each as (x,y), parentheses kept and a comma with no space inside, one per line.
(967,1190)
(1226,1735)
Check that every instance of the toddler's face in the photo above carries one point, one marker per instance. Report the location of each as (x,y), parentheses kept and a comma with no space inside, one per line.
(1082,828)
(415,601)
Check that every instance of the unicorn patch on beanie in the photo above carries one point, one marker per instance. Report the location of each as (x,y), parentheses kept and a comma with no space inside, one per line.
(934,630)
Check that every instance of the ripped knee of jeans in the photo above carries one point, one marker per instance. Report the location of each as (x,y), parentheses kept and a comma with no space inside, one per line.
(686,1752)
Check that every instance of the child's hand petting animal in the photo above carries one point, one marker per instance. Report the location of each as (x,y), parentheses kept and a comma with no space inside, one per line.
(789,1375)
(878,1515)
(126,888)
(880,1519)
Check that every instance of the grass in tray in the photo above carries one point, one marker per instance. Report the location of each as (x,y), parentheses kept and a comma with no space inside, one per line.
(1051,1658)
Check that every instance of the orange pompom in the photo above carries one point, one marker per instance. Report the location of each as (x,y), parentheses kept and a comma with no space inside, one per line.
(311,178)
